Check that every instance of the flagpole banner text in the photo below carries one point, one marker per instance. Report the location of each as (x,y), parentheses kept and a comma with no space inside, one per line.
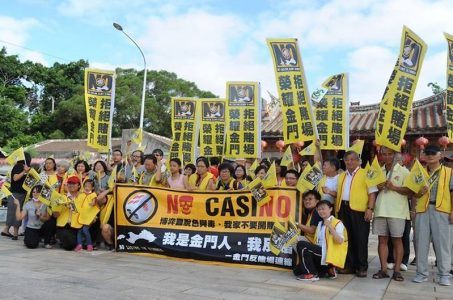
(212,134)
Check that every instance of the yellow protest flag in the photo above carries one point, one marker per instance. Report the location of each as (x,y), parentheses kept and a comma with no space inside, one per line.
(15,156)
(141,148)
(4,192)
(252,168)
(112,178)
(357,147)
(287,157)
(375,175)
(418,177)
(46,194)
(258,191)
(396,103)
(270,180)
(3,152)
(311,176)
(31,180)
(213,124)
(309,150)
(137,136)
(449,93)
(282,236)
(300,182)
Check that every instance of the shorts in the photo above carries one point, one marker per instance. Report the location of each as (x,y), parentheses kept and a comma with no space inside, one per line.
(393,227)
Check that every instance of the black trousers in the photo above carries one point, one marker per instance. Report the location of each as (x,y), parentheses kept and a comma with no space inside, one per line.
(32,237)
(308,258)
(358,232)
(67,237)
(50,228)
(406,245)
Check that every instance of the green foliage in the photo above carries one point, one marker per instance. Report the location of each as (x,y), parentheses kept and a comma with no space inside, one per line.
(27,90)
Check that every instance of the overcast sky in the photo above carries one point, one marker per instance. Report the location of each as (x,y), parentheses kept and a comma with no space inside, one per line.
(210,42)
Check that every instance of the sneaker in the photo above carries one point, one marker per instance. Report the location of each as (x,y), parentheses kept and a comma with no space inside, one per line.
(331,273)
(419,278)
(78,248)
(444,280)
(48,246)
(308,277)
(403,267)
(390,266)
(451,272)
(90,248)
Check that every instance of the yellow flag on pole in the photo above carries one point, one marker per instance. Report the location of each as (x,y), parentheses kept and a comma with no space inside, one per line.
(3,152)
(374,174)
(309,150)
(287,157)
(270,180)
(418,177)
(357,147)
(112,178)
(31,180)
(251,170)
(311,176)
(300,182)
(137,136)
(15,156)
(4,192)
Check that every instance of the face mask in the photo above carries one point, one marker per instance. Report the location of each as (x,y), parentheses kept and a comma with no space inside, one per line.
(35,199)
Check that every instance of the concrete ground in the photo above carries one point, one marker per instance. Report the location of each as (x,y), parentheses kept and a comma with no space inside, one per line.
(58,274)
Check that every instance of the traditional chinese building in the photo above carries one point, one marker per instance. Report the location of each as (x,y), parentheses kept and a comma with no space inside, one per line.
(427,119)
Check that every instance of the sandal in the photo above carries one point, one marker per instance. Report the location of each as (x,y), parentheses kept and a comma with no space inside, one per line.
(6,234)
(380,275)
(397,276)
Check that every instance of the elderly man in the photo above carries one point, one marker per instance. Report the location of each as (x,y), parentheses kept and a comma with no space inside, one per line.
(354,206)
(434,213)
(391,213)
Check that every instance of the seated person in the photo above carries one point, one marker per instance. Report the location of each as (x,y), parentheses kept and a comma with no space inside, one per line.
(328,251)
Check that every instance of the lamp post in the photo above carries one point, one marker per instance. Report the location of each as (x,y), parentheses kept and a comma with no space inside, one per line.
(142,109)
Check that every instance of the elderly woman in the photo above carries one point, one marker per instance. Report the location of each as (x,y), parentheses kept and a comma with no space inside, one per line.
(62,169)
(202,180)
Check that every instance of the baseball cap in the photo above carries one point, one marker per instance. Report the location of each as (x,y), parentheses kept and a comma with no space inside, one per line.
(431,150)
(73,180)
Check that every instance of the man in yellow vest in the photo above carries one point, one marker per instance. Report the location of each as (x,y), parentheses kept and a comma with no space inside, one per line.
(434,213)
(152,174)
(354,206)
(391,213)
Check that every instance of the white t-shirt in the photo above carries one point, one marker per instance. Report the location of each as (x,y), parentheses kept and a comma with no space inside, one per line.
(322,237)
(332,184)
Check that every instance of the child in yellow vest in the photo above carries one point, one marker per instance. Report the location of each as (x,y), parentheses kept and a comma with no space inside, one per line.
(328,251)
(84,230)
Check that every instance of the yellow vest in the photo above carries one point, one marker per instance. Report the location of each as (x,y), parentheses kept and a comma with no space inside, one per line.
(310,237)
(106,210)
(358,193)
(443,198)
(221,188)
(152,181)
(65,213)
(87,212)
(203,184)
(336,253)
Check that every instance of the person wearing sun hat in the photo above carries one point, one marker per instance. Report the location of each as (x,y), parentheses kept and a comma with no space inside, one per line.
(434,214)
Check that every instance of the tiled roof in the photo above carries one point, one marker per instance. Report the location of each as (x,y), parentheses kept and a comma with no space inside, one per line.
(427,116)
(68,145)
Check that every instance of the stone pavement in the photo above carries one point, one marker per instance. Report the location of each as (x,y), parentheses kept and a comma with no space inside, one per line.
(58,274)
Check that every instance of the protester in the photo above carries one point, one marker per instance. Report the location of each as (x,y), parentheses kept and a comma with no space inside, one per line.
(390,214)
(66,214)
(281,172)
(189,169)
(328,250)
(214,166)
(328,185)
(85,216)
(18,174)
(225,180)
(261,171)
(117,158)
(434,213)
(310,216)
(62,169)
(354,206)
(202,180)
(291,178)
(240,178)
(135,167)
(49,174)
(99,176)
(82,169)
(152,174)
(176,180)
(35,214)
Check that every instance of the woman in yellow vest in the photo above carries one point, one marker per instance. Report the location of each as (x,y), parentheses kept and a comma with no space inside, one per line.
(225,180)
(240,178)
(330,248)
(202,180)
